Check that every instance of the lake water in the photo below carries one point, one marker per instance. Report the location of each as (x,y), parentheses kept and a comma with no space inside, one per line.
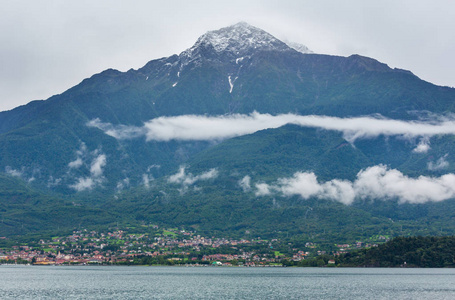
(111,282)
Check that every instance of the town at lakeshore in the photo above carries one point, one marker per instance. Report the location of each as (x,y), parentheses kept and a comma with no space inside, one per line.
(170,246)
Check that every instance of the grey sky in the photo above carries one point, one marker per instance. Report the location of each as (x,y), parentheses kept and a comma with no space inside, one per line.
(49,46)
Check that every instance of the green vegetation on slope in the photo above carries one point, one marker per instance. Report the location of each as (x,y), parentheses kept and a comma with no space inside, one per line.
(26,211)
(422,252)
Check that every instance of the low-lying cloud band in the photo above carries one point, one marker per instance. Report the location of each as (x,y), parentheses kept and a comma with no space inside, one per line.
(202,128)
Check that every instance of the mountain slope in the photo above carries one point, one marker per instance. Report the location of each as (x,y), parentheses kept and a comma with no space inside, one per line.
(90,143)
(275,153)
(24,210)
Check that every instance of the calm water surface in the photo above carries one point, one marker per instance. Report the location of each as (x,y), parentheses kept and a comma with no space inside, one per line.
(99,282)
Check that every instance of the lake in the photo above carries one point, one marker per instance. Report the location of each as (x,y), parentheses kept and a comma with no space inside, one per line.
(141,282)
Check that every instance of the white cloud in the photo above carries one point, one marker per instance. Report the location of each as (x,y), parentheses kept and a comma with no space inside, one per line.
(377,182)
(179,177)
(23,173)
(96,169)
(123,184)
(245,183)
(423,146)
(262,189)
(197,127)
(96,174)
(213,173)
(153,167)
(120,132)
(13,172)
(189,179)
(380,182)
(53,182)
(81,153)
(84,183)
(146,180)
(76,163)
(440,164)
(338,190)
(192,127)
(304,184)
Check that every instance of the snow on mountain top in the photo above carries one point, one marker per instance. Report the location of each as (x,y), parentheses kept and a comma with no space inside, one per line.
(299,47)
(239,38)
(236,41)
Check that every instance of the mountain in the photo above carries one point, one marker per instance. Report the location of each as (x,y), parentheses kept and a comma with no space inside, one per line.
(128,143)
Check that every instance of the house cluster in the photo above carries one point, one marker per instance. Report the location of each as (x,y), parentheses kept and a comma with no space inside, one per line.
(174,245)
(123,246)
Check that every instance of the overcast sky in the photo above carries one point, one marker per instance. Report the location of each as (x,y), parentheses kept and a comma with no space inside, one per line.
(49,46)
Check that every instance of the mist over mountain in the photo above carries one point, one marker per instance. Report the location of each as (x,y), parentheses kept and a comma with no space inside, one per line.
(240,124)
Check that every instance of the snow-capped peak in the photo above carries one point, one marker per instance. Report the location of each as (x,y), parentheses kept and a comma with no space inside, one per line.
(237,40)
(234,43)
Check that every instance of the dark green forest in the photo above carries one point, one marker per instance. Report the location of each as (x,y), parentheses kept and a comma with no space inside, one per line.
(410,252)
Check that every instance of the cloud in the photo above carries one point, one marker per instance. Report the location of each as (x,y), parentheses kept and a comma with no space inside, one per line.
(96,174)
(380,182)
(83,183)
(262,189)
(120,132)
(53,182)
(197,127)
(179,177)
(377,182)
(23,173)
(13,172)
(153,167)
(423,146)
(338,190)
(123,184)
(440,164)
(76,164)
(81,153)
(96,169)
(306,185)
(245,183)
(189,179)
(146,180)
